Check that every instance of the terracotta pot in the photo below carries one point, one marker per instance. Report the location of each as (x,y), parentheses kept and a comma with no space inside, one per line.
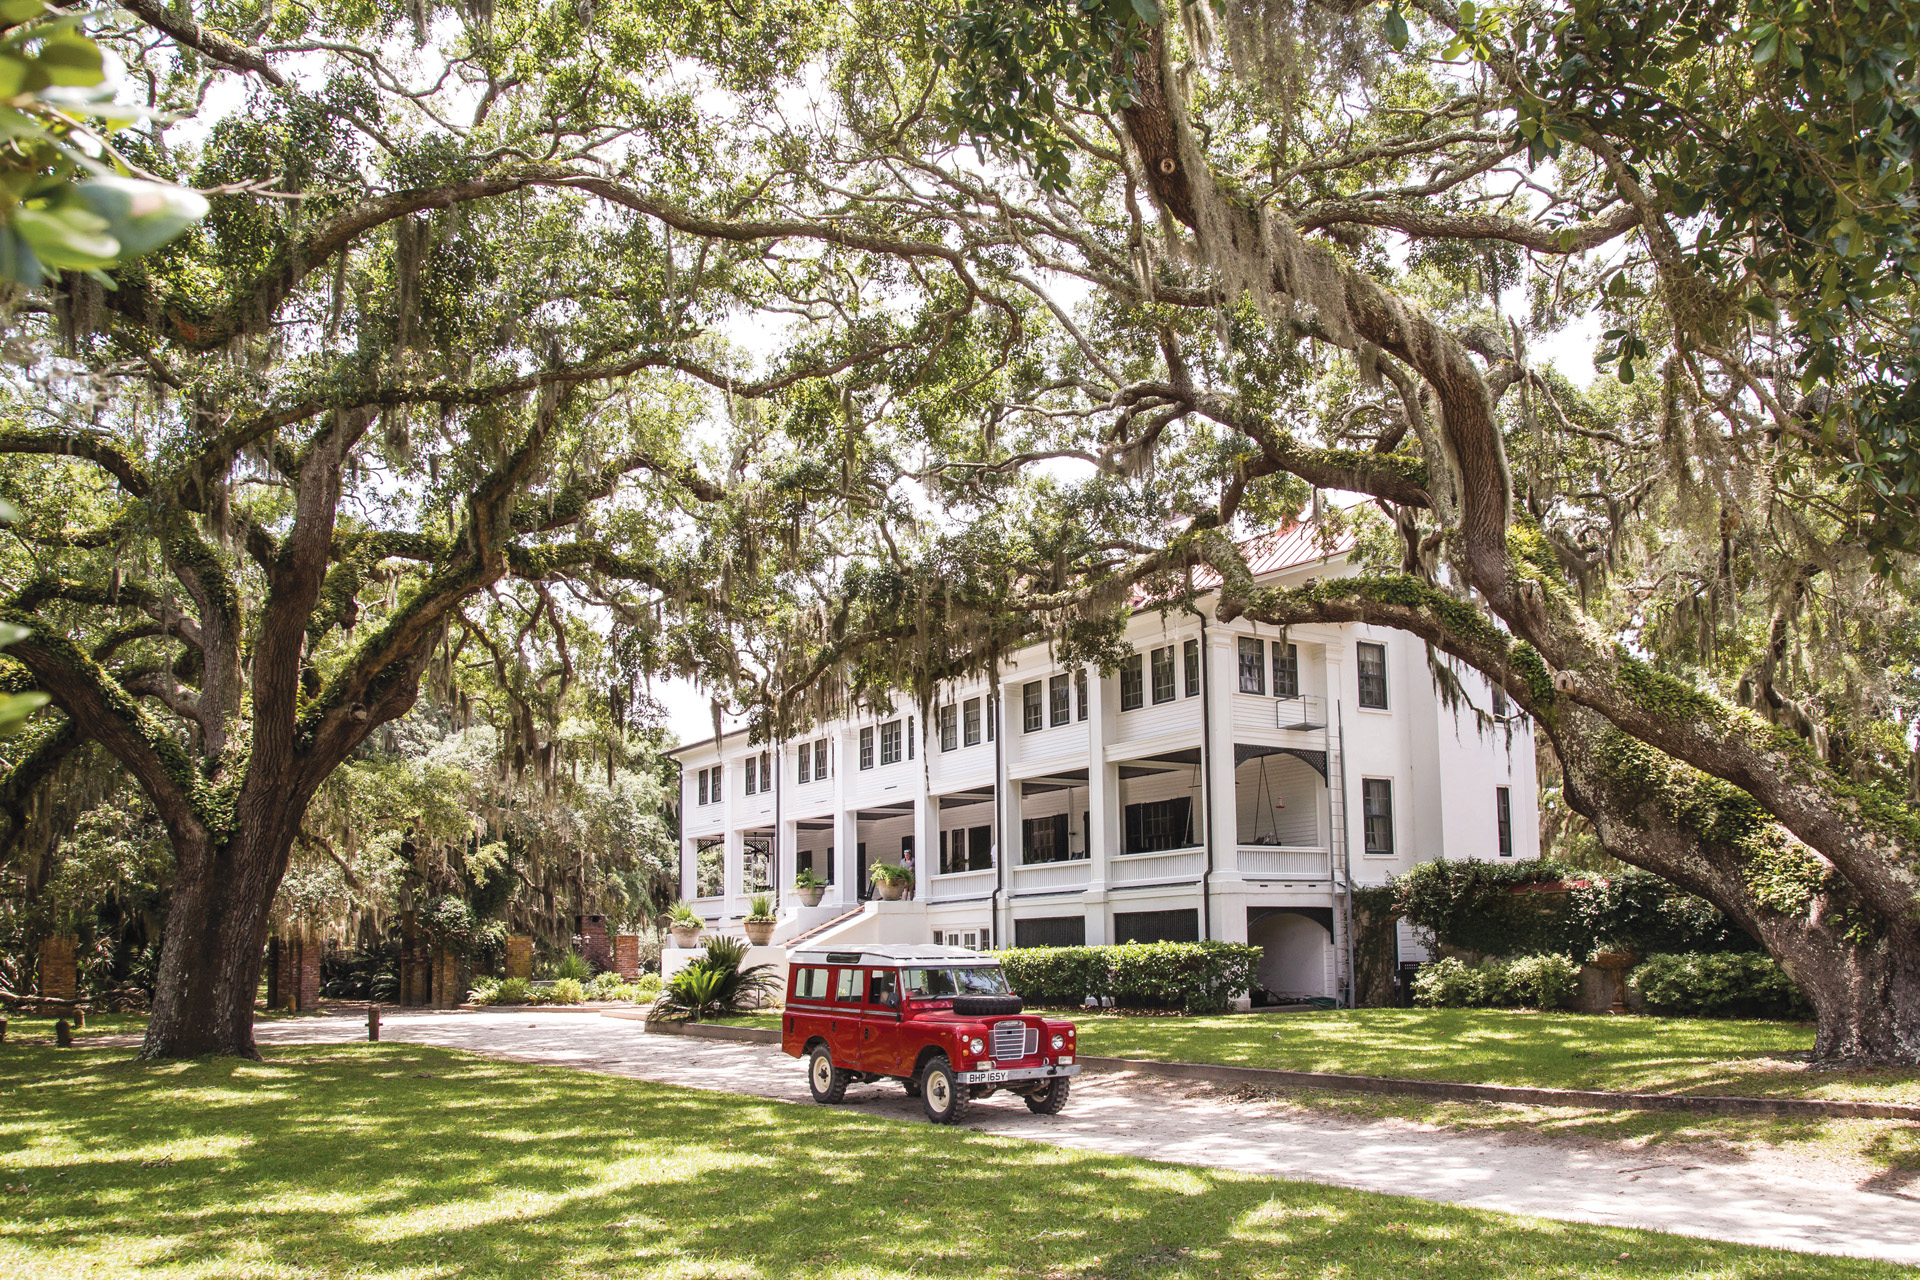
(759,932)
(811,897)
(685,935)
(889,890)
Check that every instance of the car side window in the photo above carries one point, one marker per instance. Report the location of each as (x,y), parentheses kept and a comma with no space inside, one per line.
(879,986)
(811,984)
(848,991)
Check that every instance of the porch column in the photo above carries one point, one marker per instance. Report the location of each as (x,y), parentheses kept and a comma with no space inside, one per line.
(1222,823)
(846,826)
(1103,812)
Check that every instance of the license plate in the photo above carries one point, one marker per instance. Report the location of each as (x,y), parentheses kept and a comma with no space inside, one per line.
(989,1077)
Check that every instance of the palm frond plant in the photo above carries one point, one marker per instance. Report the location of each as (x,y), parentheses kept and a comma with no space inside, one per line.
(714,985)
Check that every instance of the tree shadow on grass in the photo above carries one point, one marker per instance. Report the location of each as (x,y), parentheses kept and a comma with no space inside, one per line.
(398,1159)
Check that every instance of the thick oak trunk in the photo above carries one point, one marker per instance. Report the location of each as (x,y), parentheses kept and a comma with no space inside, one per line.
(1866,995)
(215,943)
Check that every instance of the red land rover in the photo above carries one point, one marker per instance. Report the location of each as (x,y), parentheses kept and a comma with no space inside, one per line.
(940,1020)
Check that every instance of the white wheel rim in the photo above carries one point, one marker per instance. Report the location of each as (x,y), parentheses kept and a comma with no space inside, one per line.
(938,1092)
(822,1072)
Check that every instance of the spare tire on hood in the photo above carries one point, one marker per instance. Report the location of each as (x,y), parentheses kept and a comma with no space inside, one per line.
(986,1006)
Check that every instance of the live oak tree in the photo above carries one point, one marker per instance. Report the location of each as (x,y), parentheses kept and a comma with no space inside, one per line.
(1311,259)
(450,337)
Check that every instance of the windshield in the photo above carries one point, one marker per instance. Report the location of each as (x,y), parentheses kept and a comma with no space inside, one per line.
(936,984)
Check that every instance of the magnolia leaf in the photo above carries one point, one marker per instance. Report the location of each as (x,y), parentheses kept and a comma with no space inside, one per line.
(70,237)
(1396,28)
(142,215)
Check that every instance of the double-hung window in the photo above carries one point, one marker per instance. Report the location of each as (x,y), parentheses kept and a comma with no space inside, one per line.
(1059,707)
(866,747)
(949,727)
(1500,708)
(1132,686)
(753,774)
(1030,706)
(890,742)
(1192,654)
(806,764)
(1286,670)
(1371,663)
(1163,675)
(703,787)
(820,758)
(1503,818)
(1253,665)
(1376,804)
(1080,692)
(970,722)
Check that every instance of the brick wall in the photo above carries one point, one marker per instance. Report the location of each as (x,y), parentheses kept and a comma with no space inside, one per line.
(593,940)
(626,956)
(59,975)
(519,956)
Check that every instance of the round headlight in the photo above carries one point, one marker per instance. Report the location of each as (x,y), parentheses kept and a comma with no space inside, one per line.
(976,1044)
(1059,1042)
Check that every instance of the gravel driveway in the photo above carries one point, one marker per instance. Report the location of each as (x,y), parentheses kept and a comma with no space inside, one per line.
(1163,1120)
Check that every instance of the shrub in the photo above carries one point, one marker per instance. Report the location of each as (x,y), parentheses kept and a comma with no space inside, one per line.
(1472,905)
(502,991)
(573,965)
(608,986)
(1545,981)
(715,985)
(683,917)
(566,991)
(1447,984)
(1193,977)
(646,989)
(1058,975)
(760,908)
(1719,985)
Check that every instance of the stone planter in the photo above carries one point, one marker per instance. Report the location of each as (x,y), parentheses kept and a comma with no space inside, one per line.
(685,935)
(759,932)
(811,897)
(1616,963)
(889,890)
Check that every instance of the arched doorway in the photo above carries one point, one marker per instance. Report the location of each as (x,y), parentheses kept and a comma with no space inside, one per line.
(1296,946)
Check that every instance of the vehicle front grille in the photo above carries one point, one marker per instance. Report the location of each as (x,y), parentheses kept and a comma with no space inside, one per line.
(1012,1040)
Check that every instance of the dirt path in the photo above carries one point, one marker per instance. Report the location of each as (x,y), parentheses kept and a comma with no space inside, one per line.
(1760,1204)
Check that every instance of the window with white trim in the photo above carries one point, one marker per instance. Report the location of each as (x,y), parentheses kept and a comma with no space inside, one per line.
(890,742)
(1286,670)
(970,722)
(1253,664)
(866,747)
(1162,674)
(1059,700)
(1133,693)
(1030,706)
(1503,818)
(1192,653)
(1376,807)
(1370,662)
(949,718)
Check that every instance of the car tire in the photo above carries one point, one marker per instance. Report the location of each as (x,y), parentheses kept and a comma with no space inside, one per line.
(943,1098)
(1051,1099)
(826,1082)
(987,1006)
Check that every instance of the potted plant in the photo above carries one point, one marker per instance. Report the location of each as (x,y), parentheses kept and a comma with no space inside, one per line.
(760,920)
(809,886)
(890,881)
(686,926)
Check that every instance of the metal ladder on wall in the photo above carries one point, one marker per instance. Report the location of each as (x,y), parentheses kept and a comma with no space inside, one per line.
(1340,868)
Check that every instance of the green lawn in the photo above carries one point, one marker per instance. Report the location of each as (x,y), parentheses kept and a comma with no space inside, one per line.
(1497,1046)
(399,1161)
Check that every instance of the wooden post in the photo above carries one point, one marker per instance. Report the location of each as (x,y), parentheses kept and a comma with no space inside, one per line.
(63,1034)
(373,1023)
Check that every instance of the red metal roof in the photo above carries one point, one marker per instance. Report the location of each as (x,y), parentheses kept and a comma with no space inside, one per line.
(1288,547)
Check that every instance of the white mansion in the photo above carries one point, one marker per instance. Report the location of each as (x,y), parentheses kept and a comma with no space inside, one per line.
(1225,782)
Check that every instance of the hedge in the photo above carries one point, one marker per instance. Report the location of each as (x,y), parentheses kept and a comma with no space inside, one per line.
(1192,977)
(1545,981)
(1471,905)
(1724,985)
